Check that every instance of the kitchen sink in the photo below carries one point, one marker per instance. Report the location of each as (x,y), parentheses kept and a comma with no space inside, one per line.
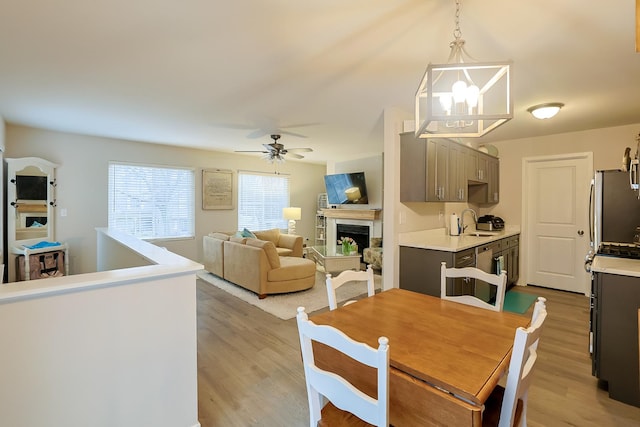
(479,234)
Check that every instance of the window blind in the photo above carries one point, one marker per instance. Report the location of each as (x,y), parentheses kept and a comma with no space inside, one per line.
(152,202)
(261,198)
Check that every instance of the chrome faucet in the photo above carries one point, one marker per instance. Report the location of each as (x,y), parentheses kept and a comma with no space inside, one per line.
(475,218)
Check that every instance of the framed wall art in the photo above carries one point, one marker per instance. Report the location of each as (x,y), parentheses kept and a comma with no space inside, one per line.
(217,189)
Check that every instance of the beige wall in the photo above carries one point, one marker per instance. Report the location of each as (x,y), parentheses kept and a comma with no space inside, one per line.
(606,144)
(82,185)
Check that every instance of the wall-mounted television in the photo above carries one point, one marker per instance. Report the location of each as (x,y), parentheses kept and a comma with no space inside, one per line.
(346,188)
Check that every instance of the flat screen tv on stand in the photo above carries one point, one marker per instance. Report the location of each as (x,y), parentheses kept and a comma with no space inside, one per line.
(346,188)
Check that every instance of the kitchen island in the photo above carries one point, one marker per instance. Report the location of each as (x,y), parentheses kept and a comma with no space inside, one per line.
(614,326)
(421,253)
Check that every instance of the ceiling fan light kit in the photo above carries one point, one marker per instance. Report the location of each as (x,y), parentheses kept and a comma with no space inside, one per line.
(545,111)
(460,98)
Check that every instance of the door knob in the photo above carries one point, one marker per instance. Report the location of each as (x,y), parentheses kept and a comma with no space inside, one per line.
(580,232)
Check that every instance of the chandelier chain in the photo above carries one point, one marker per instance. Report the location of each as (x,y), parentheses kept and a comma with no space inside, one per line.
(457,33)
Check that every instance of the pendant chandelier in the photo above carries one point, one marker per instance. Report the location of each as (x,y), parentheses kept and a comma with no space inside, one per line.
(463,98)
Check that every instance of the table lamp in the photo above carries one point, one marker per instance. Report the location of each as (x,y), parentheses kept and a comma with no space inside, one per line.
(292,214)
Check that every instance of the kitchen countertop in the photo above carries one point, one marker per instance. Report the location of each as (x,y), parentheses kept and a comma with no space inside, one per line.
(614,265)
(438,239)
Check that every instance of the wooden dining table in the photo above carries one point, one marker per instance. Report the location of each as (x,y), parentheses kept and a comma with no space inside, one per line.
(445,357)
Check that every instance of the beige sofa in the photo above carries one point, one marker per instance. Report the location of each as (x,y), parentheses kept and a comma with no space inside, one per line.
(256,265)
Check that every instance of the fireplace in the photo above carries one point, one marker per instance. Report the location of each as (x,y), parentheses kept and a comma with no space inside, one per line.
(359,233)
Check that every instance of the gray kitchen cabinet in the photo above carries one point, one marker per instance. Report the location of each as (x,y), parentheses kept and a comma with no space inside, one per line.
(477,166)
(487,192)
(614,320)
(413,168)
(423,169)
(493,180)
(513,259)
(420,267)
(457,173)
(439,170)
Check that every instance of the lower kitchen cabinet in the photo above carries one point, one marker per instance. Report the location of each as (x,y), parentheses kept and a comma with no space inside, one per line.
(420,267)
(614,323)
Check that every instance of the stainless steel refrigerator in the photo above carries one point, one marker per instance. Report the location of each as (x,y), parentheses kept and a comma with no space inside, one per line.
(615,209)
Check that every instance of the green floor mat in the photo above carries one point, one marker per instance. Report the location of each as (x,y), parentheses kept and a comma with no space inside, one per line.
(518,302)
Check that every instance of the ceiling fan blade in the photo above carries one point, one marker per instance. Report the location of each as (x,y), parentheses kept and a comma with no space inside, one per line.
(295,156)
(285,132)
(300,150)
(251,151)
(232,125)
(270,147)
(258,133)
(300,125)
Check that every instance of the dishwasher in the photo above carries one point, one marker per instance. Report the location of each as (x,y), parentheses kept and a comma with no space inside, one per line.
(485,262)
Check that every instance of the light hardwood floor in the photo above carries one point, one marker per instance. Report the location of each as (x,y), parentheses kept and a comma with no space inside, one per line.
(250,372)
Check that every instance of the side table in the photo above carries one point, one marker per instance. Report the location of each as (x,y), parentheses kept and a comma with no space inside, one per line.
(27,253)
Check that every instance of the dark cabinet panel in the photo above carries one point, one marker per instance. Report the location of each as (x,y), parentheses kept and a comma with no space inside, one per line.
(617,299)
(420,269)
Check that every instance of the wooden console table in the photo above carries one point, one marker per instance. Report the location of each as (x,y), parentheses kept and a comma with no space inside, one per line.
(26,253)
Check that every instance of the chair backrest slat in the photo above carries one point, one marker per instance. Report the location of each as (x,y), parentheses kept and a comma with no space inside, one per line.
(497,280)
(346,276)
(336,389)
(521,367)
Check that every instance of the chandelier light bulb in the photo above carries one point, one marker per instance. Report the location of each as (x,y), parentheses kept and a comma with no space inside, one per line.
(459,90)
(473,93)
(446,102)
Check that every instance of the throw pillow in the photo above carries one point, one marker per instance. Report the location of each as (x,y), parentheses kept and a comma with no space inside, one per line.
(248,234)
(272,235)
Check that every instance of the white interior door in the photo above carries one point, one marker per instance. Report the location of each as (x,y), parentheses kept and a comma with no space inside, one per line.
(557,221)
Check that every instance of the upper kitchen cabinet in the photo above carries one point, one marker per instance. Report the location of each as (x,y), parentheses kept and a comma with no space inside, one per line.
(423,169)
(477,167)
(439,170)
(457,173)
(487,191)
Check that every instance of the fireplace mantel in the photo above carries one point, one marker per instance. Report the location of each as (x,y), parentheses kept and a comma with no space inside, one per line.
(363,214)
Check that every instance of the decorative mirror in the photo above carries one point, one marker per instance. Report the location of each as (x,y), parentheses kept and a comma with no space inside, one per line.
(30,202)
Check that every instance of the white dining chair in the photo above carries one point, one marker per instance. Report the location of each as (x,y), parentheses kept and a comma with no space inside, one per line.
(497,280)
(507,406)
(346,402)
(541,304)
(347,276)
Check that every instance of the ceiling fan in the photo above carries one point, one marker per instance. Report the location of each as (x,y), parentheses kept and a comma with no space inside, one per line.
(275,151)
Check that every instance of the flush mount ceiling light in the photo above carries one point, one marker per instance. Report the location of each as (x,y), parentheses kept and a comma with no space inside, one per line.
(545,111)
(462,98)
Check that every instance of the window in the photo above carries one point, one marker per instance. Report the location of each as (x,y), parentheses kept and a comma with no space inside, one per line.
(261,198)
(151,202)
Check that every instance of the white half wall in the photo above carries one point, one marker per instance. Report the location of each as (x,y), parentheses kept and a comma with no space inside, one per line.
(114,348)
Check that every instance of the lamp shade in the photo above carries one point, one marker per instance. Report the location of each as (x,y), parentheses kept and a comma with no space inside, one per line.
(545,111)
(292,213)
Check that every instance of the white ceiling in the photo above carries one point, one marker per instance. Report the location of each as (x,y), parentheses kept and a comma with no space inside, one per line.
(209,73)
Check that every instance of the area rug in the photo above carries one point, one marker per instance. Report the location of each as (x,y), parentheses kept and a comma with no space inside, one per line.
(284,306)
(518,302)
